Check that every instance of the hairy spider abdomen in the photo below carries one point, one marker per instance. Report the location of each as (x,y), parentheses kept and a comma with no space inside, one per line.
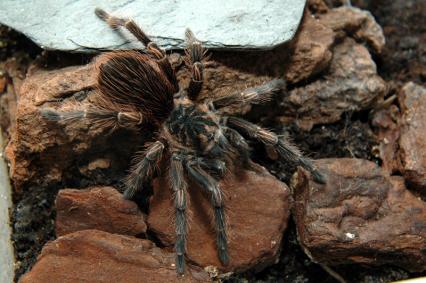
(136,80)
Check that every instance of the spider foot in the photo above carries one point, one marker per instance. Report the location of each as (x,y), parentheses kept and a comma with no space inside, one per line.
(221,238)
(180,264)
(223,255)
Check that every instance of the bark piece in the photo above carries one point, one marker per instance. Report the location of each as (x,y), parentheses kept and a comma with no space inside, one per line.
(257,207)
(351,84)
(362,215)
(388,133)
(44,153)
(354,21)
(97,256)
(100,208)
(312,50)
(412,100)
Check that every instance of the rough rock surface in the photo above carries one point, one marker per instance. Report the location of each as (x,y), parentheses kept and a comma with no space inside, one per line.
(359,23)
(44,153)
(360,216)
(312,50)
(73,25)
(100,208)
(97,256)
(12,76)
(385,122)
(412,143)
(257,207)
(404,56)
(351,84)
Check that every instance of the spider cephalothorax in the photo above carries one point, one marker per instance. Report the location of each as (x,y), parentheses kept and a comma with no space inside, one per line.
(193,138)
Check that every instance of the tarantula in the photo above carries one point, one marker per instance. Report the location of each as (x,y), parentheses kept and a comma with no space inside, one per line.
(193,136)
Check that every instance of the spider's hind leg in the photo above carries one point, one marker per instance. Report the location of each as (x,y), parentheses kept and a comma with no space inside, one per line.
(208,183)
(179,187)
(286,150)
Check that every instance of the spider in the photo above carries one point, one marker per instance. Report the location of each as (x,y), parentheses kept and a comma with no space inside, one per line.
(194,138)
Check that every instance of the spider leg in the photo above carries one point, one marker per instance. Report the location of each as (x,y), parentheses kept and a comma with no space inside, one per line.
(195,53)
(215,166)
(134,29)
(179,187)
(152,48)
(143,169)
(254,95)
(100,117)
(284,149)
(238,142)
(207,182)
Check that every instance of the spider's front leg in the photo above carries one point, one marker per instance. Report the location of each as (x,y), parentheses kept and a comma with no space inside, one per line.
(195,54)
(207,182)
(133,28)
(152,48)
(286,150)
(143,169)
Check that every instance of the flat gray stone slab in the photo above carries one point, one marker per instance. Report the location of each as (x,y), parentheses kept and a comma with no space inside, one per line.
(71,25)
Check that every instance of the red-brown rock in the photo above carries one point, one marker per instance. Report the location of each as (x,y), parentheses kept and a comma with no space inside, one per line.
(412,143)
(360,216)
(351,84)
(100,208)
(97,256)
(356,22)
(317,6)
(44,153)
(385,122)
(3,82)
(312,50)
(11,74)
(257,206)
